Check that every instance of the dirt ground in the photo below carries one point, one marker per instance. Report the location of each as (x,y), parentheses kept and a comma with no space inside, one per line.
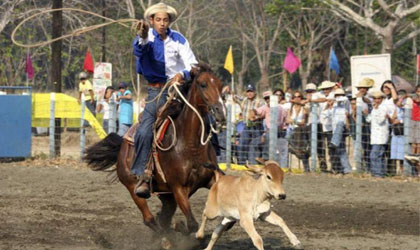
(68,206)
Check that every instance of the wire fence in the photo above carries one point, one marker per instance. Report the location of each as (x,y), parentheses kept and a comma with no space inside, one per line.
(307,148)
(311,148)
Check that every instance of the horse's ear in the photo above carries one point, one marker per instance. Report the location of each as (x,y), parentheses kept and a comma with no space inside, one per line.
(194,70)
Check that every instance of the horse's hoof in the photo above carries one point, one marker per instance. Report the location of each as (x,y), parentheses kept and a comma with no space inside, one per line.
(199,235)
(165,243)
(181,227)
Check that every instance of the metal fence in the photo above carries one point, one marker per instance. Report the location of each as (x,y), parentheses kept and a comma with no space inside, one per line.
(307,148)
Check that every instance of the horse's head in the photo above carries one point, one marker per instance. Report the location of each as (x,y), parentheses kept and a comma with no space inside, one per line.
(208,88)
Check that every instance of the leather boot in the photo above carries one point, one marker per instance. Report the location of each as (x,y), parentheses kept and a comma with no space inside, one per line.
(142,189)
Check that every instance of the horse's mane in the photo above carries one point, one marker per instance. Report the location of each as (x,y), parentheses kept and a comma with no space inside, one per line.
(175,107)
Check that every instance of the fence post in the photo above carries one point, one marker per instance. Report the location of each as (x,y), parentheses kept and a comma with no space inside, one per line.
(407,126)
(229,127)
(314,135)
(274,113)
(112,126)
(82,127)
(52,125)
(357,147)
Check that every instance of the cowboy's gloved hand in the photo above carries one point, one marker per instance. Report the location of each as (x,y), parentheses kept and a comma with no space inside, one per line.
(177,79)
(142,29)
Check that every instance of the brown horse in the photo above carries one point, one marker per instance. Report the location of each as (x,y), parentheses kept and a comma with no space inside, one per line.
(182,165)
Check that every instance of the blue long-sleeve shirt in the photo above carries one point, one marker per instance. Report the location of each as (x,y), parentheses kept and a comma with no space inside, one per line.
(160,60)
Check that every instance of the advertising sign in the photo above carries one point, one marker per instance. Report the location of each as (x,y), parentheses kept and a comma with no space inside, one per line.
(377,67)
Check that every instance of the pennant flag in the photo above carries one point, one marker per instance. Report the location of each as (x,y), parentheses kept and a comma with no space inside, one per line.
(229,61)
(334,62)
(291,62)
(28,67)
(418,64)
(88,63)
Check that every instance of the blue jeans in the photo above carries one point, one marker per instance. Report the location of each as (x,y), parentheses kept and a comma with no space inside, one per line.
(222,142)
(248,144)
(338,133)
(377,160)
(340,160)
(144,135)
(123,128)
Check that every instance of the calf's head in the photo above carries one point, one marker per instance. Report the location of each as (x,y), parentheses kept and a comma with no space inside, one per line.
(272,179)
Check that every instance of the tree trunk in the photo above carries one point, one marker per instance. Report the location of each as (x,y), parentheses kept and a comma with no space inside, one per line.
(57,22)
(387,43)
(264,80)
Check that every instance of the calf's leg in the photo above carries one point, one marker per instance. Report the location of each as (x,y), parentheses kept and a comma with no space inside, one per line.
(274,219)
(219,231)
(247,223)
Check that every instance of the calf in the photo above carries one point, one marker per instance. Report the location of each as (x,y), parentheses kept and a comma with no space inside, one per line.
(246,198)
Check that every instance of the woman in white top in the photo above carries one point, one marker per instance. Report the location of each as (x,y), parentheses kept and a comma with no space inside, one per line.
(105,107)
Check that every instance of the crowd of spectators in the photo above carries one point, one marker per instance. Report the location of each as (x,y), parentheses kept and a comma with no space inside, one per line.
(382,111)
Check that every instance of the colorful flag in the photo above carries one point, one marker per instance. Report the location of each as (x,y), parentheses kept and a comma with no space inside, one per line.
(229,61)
(291,62)
(88,63)
(28,67)
(334,62)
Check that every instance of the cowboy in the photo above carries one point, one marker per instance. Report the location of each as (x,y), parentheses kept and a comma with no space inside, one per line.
(162,55)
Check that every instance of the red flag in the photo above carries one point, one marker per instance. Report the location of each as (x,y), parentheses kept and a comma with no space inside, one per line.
(88,63)
(28,67)
(291,62)
(418,64)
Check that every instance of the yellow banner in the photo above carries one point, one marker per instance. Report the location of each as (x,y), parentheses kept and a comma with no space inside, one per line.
(229,61)
(66,107)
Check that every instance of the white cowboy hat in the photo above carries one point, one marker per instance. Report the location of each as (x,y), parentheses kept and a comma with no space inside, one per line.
(339,92)
(161,7)
(326,85)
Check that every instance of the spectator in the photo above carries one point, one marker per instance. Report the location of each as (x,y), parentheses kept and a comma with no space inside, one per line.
(86,89)
(282,152)
(379,134)
(362,89)
(263,112)
(126,108)
(397,134)
(250,137)
(297,132)
(340,124)
(288,95)
(104,105)
(414,158)
(320,98)
(326,121)
(388,88)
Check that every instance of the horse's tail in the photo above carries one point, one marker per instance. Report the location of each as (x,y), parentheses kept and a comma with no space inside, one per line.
(103,154)
(217,171)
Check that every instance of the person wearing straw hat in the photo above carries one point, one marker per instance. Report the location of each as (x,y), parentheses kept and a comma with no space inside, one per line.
(162,55)
(379,127)
(363,87)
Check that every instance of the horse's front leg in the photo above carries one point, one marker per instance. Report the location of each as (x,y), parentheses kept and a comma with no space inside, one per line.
(129,182)
(181,197)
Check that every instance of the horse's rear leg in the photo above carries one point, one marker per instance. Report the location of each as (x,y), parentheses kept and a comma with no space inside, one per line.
(181,197)
(165,215)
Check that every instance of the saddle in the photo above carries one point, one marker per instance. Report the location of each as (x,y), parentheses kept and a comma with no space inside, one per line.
(171,109)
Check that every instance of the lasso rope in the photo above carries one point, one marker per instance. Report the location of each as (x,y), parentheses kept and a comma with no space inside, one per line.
(76,32)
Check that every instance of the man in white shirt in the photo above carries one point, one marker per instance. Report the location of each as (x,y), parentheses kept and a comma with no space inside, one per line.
(379,127)
(162,54)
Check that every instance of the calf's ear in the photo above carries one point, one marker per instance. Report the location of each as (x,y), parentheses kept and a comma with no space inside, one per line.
(255,171)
